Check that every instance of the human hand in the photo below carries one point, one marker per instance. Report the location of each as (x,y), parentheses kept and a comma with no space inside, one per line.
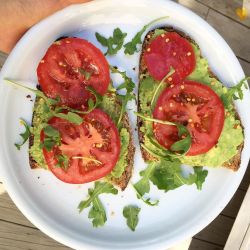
(17,16)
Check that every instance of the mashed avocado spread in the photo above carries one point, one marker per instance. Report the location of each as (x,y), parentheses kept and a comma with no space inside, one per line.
(109,105)
(232,133)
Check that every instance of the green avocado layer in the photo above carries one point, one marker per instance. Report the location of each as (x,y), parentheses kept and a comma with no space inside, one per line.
(108,105)
(231,136)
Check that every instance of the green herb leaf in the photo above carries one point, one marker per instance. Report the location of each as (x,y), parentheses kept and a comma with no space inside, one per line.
(97,212)
(143,186)
(52,138)
(180,147)
(114,43)
(167,175)
(51,132)
(131,214)
(71,117)
(86,73)
(25,135)
(201,175)
(160,87)
(235,92)
(62,161)
(131,47)
(129,86)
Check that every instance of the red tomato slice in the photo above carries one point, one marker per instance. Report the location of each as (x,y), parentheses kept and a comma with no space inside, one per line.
(93,148)
(167,50)
(70,65)
(194,105)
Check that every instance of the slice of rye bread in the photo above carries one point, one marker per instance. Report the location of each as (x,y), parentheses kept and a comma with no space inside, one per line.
(234,162)
(122,181)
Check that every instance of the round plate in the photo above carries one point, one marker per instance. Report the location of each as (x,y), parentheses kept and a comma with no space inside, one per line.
(52,205)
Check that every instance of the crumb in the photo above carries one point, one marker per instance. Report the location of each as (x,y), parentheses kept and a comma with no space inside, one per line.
(135,129)
(28,96)
(134,68)
(38,177)
(31,100)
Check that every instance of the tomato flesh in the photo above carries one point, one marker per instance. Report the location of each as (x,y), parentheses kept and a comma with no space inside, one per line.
(197,107)
(93,148)
(70,65)
(170,50)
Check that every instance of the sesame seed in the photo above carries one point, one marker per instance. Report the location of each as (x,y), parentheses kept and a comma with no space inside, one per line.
(148,49)
(190,120)
(182,87)
(67,41)
(42,61)
(171,104)
(189,54)
(174,53)
(167,40)
(148,36)
(170,79)
(172,85)
(162,35)
(160,108)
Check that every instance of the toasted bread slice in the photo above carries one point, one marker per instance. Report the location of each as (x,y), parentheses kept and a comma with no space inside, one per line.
(123,180)
(234,162)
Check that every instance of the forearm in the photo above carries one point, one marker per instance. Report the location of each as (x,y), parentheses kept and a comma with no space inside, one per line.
(16,16)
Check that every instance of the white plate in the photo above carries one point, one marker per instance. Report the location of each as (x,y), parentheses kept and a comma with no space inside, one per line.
(52,205)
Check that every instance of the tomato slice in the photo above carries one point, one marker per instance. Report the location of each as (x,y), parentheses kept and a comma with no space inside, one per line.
(70,65)
(197,107)
(92,148)
(170,50)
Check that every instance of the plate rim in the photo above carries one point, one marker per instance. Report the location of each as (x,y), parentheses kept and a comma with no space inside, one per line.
(58,234)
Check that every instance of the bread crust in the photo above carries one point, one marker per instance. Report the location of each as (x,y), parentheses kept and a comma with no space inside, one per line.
(233,163)
(121,182)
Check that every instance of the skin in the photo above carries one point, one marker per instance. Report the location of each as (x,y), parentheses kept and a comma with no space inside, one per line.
(17,16)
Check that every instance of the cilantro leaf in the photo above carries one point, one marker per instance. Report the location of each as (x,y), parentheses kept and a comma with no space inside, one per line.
(114,44)
(235,92)
(97,212)
(131,214)
(129,86)
(71,117)
(131,47)
(25,135)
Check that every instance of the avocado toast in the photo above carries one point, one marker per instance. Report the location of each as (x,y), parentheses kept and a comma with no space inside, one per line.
(227,151)
(76,75)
